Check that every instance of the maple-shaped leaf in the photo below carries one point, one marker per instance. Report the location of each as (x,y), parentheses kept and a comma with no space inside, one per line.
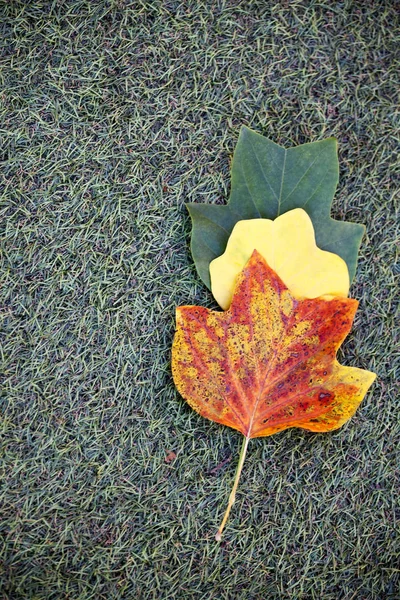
(269,362)
(268,181)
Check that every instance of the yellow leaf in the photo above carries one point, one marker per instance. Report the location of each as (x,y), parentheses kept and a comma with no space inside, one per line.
(288,245)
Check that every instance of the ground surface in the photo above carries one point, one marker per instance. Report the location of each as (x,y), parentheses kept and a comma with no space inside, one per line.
(112,115)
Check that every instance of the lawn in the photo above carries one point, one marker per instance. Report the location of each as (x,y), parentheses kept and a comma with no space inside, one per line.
(113,114)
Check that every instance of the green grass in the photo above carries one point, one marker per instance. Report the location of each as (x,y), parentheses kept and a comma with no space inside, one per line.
(112,115)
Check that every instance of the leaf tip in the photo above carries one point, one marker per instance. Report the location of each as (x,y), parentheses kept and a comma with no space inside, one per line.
(188,206)
(218,536)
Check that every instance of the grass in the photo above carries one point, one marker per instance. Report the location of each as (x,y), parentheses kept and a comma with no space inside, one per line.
(112,115)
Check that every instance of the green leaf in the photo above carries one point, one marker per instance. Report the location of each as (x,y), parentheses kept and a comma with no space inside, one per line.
(267,181)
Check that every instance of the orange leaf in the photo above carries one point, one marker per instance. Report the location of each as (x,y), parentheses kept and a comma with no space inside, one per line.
(269,362)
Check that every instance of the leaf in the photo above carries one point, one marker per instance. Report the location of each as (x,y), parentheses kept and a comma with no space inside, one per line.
(170,456)
(267,181)
(269,362)
(288,245)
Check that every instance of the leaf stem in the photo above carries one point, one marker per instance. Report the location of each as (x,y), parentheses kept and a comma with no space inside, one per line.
(235,485)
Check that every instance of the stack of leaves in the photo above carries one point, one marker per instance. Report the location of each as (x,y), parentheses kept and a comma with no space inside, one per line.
(269,361)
